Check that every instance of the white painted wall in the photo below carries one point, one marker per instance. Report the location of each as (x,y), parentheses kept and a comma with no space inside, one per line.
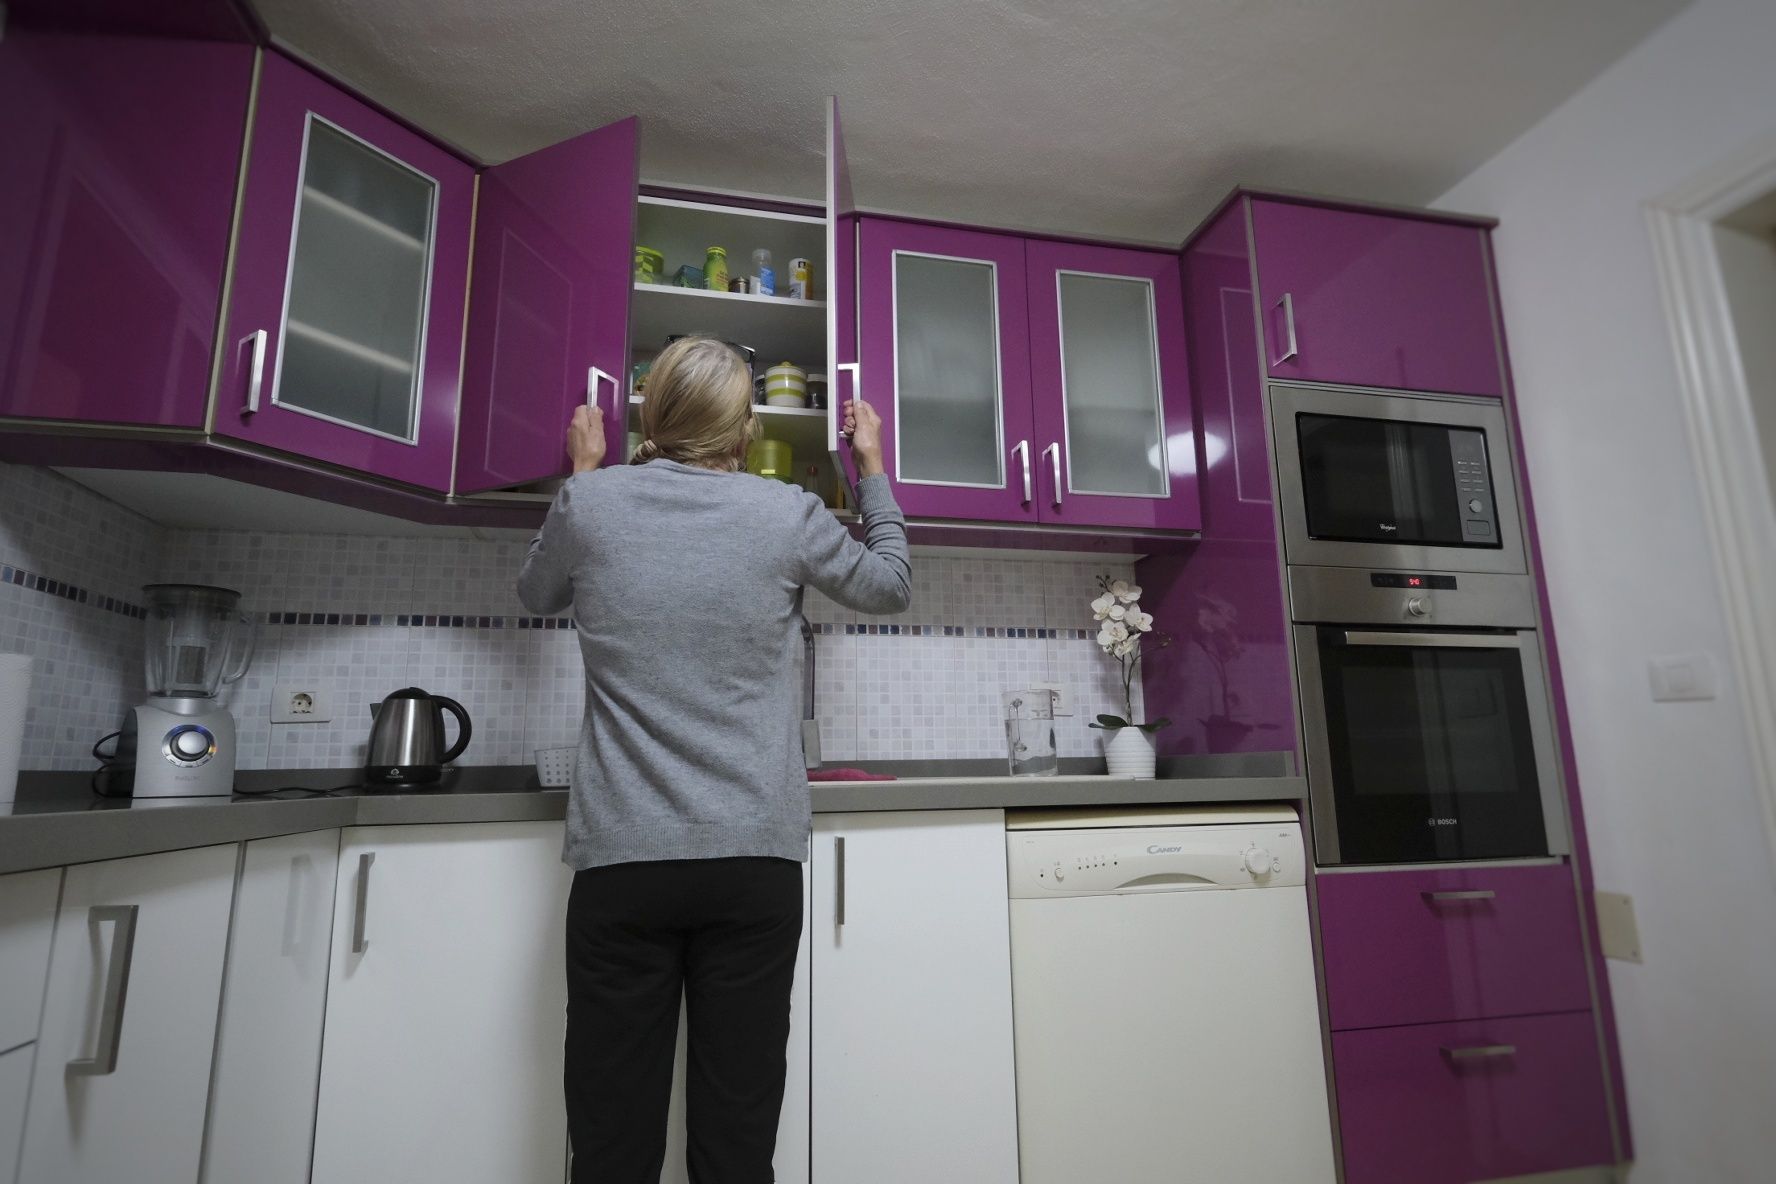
(1748,269)
(1668,787)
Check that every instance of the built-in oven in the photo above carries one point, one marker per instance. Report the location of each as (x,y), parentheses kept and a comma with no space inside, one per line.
(1428,728)
(1414,482)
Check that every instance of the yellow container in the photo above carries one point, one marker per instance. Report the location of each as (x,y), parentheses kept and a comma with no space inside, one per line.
(770,458)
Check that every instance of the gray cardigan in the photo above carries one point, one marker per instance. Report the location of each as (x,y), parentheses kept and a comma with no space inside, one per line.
(686,586)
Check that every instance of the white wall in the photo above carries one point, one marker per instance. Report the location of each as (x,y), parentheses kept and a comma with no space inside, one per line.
(1668,787)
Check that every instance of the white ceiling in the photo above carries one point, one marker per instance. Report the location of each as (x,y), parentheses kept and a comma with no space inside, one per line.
(1126,118)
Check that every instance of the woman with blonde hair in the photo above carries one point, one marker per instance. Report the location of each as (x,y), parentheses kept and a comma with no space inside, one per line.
(688,812)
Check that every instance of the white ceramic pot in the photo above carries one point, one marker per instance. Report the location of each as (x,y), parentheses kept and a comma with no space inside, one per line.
(1129,752)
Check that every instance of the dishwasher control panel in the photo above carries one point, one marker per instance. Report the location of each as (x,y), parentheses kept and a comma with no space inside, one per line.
(1137,860)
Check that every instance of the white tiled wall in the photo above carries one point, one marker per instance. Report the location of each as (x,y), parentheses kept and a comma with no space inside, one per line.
(880,695)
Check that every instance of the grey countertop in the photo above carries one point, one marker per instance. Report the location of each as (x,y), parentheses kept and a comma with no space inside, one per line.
(57,818)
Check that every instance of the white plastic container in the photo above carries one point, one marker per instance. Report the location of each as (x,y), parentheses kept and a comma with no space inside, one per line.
(555,766)
(15,692)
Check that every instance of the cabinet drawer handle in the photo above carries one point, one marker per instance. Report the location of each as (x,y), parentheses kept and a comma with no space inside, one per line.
(1287,304)
(1053,453)
(1478,1052)
(1022,451)
(361,940)
(117,975)
(1461,894)
(594,376)
(255,370)
(839,880)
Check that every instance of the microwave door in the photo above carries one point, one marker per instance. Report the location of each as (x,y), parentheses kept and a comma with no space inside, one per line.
(1428,746)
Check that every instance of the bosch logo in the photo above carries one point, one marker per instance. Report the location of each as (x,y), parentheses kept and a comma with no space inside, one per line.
(1158,850)
(1442,821)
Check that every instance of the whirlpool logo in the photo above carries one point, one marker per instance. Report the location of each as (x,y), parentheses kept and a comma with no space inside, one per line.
(1156,849)
(1387,527)
(1442,822)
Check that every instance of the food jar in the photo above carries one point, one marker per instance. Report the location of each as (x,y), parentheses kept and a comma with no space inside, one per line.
(715,269)
(650,266)
(786,385)
(817,391)
(770,458)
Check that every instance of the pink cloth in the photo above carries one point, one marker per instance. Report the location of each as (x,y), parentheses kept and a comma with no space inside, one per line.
(847,775)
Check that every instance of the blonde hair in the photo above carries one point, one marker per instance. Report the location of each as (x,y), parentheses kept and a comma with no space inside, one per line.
(698,409)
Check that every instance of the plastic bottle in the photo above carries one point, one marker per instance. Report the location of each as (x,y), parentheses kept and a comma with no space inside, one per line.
(715,270)
(764,280)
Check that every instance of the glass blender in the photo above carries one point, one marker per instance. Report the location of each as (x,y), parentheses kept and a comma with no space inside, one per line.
(180,743)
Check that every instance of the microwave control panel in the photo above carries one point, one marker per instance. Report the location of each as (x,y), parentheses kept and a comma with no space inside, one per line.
(1473,487)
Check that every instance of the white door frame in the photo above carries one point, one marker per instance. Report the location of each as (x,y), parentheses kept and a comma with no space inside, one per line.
(1723,432)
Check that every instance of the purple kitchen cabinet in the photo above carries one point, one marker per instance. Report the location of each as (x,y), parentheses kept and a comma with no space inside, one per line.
(344,328)
(1114,436)
(1375,299)
(1225,680)
(1479,1100)
(116,194)
(1413,947)
(945,360)
(548,307)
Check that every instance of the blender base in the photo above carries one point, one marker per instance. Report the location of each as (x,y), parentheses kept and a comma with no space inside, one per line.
(175,748)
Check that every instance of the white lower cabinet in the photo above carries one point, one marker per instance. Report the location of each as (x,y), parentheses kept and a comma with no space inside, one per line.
(446,1006)
(912,1042)
(122,1068)
(791,1160)
(274,1001)
(27,921)
(15,1087)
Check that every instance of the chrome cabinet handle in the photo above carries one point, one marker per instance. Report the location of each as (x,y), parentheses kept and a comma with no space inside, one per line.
(1287,304)
(594,376)
(361,940)
(1023,451)
(1459,641)
(1463,894)
(1478,1052)
(839,880)
(1053,453)
(255,370)
(117,975)
(835,412)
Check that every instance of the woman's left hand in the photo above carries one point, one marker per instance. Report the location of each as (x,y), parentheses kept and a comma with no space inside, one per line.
(585,440)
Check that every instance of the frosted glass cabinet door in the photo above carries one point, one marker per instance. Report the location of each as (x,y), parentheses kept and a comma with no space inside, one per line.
(946,364)
(1114,436)
(345,319)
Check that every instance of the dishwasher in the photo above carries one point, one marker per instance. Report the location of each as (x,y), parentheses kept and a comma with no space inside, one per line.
(1165,1019)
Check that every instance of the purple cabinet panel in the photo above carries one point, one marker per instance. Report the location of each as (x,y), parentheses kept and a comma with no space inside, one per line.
(1450,1103)
(881,243)
(841,286)
(1417,947)
(121,157)
(288,96)
(549,307)
(1374,299)
(1224,680)
(1067,502)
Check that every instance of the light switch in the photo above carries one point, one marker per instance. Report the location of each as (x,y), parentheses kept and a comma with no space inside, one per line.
(1682,677)
(1618,936)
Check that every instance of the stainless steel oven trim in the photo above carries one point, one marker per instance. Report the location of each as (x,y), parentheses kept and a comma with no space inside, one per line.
(1487,415)
(1317,742)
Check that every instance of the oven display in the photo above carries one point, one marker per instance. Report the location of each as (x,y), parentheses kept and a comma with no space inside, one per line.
(1400,579)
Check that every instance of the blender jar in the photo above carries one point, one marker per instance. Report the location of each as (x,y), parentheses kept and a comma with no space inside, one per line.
(1030,733)
(196,639)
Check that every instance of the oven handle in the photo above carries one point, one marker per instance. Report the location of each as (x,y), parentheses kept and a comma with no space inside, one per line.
(1466,641)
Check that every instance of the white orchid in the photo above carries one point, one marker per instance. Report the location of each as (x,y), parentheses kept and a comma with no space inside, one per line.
(1121,627)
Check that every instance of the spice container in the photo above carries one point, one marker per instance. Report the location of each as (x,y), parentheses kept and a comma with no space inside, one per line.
(715,269)
(801,279)
(817,391)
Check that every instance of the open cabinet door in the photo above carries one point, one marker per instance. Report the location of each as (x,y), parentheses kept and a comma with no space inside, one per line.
(548,321)
(841,295)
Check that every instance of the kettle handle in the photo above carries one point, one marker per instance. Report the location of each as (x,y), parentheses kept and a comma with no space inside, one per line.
(463,732)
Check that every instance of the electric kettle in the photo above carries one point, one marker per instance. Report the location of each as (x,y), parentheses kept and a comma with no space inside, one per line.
(407,738)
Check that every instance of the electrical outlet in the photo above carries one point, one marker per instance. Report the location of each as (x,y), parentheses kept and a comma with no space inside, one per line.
(1062,706)
(300,704)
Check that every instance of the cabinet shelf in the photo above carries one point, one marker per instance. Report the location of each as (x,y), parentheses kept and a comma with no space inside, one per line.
(356,217)
(802,428)
(346,345)
(777,328)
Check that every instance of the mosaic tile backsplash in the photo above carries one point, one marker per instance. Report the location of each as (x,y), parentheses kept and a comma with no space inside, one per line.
(356,617)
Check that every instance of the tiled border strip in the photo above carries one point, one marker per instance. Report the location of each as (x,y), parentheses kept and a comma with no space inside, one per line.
(825,629)
(33,582)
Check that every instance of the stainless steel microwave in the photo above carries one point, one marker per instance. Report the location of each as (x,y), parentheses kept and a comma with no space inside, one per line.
(1404,481)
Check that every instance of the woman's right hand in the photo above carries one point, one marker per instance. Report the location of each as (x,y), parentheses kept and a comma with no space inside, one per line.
(585,440)
(864,429)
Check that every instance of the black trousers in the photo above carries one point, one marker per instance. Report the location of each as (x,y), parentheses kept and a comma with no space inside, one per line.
(723,934)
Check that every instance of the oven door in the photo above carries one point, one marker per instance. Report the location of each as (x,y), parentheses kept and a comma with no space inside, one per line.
(1395,481)
(1430,745)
